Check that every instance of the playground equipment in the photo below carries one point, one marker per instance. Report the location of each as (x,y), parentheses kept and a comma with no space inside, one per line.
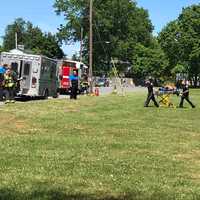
(118,87)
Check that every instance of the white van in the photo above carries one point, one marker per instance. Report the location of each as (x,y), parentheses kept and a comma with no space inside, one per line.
(37,74)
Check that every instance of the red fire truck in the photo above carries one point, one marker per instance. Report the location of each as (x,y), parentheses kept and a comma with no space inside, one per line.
(65,68)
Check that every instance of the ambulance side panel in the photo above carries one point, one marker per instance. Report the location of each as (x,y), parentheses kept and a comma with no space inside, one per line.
(48,77)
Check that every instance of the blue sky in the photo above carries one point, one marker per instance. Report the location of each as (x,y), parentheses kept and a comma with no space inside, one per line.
(41,13)
(163,11)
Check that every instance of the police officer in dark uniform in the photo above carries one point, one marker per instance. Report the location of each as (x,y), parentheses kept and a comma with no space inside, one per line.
(74,84)
(150,95)
(185,94)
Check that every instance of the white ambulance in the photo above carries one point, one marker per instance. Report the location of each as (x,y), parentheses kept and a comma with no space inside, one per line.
(37,74)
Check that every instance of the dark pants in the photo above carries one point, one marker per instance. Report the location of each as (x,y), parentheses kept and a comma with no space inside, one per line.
(187,99)
(73,94)
(150,97)
(9,92)
(1,93)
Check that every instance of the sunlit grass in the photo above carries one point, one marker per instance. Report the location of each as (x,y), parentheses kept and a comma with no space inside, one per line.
(107,147)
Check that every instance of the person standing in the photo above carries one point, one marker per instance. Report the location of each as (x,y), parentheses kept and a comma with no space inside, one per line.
(150,95)
(74,84)
(185,94)
(9,85)
(2,72)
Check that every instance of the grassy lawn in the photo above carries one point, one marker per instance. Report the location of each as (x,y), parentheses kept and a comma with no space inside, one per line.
(105,148)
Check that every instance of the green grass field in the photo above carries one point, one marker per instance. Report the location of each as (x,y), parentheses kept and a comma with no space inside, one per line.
(104,148)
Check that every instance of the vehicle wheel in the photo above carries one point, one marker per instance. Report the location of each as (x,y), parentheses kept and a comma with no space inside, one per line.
(56,95)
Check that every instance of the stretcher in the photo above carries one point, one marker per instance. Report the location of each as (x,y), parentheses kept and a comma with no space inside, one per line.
(164,96)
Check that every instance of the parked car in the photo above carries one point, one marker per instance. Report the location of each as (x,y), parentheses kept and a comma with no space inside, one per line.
(102,82)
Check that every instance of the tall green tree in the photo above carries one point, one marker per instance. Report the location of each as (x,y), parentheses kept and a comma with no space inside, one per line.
(181,42)
(118,26)
(19,27)
(50,47)
(149,61)
(32,38)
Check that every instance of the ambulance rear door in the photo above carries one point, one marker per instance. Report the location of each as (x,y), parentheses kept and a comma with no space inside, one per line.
(26,71)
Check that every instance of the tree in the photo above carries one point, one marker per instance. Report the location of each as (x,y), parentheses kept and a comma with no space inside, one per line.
(32,38)
(149,61)
(118,26)
(169,41)
(18,27)
(1,49)
(75,57)
(50,47)
(181,42)
(194,60)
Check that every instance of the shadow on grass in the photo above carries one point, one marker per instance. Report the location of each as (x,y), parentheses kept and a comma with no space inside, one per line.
(27,98)
(8,194)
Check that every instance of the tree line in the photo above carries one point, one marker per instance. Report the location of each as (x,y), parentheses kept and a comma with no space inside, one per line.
(34,40)
(123,32)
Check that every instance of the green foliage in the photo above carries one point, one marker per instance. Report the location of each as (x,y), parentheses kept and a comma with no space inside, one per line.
(149,61)
(75,57)
(1,49)
(118,26)
(181,42)
(9,39)
(168,39)
(32,38)
(179,68)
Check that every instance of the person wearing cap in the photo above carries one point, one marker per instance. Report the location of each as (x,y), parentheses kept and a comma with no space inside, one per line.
(150,95)
(9,85)
(74,84)
(185,94)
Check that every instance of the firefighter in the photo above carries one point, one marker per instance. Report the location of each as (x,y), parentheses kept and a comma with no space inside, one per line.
(185,94)
(150,95)
(84,87)
(9,85)
(84,84)
(74,84)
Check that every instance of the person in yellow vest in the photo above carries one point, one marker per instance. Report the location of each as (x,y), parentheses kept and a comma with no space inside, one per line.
(9,86)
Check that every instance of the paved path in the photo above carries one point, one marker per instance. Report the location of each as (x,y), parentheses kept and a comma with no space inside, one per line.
(108,90)
(102,91)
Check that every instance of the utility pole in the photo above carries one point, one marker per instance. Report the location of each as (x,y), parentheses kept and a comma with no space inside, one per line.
(91,48)
(16,45)
(81,45)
